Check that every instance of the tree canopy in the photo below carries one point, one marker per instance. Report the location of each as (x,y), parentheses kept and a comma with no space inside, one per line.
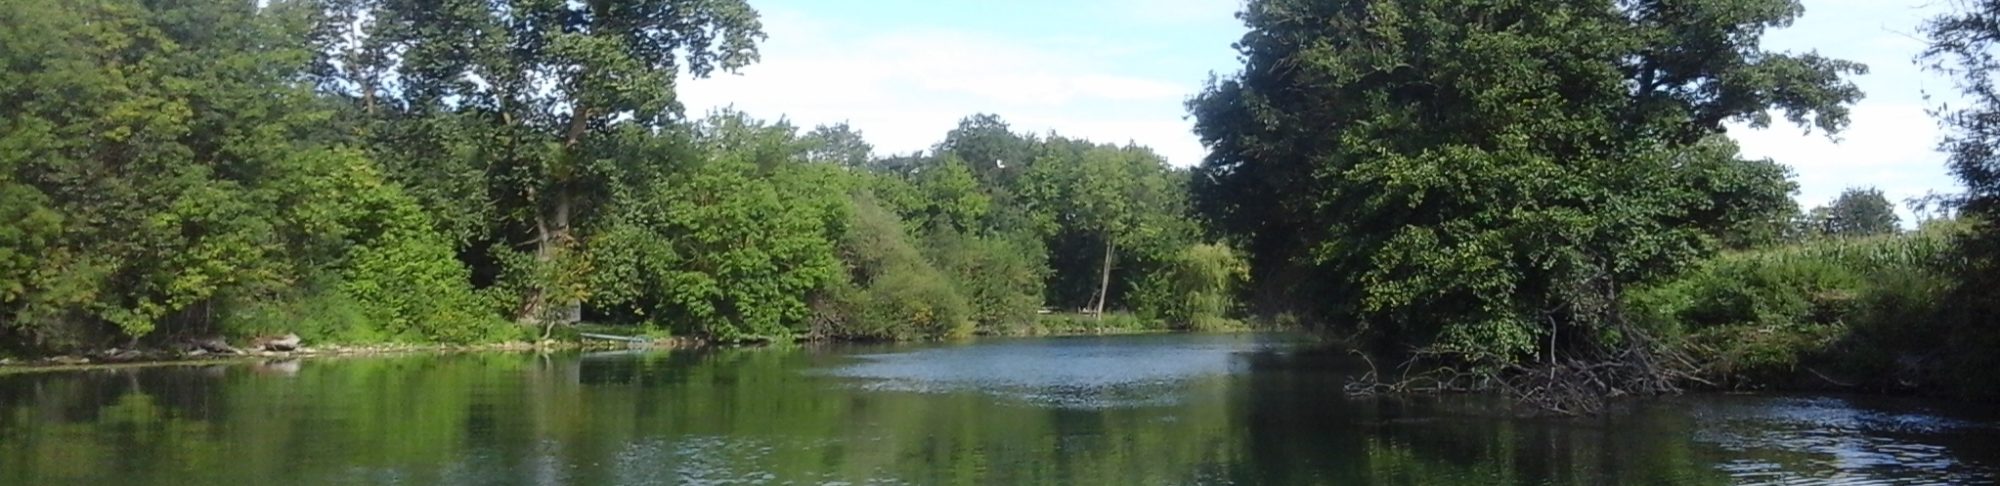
(1857,212)
(1479,178)
(362,170)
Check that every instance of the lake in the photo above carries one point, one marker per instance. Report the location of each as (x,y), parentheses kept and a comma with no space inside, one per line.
(1150,409)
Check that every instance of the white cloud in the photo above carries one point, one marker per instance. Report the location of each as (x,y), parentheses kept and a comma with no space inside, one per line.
(905,88)
(1890,146)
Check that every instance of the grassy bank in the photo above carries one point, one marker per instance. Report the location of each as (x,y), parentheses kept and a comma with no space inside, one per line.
(1865,314)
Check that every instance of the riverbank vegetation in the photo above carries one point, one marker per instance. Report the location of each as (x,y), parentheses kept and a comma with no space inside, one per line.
(469,171)
(1863,313)
(1540,198)
(1529,196)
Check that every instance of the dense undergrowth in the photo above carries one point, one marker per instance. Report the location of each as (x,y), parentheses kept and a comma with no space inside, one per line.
(1874,313)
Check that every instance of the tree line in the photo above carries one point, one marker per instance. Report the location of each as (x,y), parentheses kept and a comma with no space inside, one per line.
(1541,197)
(1500,190)
(472,170)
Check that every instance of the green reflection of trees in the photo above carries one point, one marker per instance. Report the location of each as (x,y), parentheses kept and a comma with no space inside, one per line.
(668,418)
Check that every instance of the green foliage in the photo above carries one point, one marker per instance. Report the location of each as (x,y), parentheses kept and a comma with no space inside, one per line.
(838,144)
(1196,289)
(1001,277)
(360,171)
(392,266)
(1963,41)
(1862,308)
(29,235)
(413,290)
(951,199)
(1481,178)
(318,312)
(1857,212)
(990,148)
(892,291)
(721,250)
(1110,323)
(1100,205)
(157,137)
(567,92)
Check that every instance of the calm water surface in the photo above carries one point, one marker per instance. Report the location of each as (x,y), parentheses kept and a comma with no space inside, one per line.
(1179,409)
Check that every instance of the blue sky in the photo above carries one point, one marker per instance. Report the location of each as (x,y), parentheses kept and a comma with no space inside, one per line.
(904,71)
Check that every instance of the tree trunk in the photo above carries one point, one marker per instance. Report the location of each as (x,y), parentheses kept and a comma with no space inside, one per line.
(1104,281)
(552,234)
(572,311)
(531,307)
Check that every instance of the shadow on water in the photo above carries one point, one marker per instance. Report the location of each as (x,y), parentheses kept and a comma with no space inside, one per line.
(1168,409)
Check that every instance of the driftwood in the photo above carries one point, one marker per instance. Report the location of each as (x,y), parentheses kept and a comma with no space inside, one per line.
(610,337)
(287,342)
(1572,385)
(212,344)
(1577,377)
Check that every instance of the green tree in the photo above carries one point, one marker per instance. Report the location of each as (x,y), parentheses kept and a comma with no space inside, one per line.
(990,148)
(1479,178)
(1857,212)
(838,144)
(891,290)
(1109,197)
(138,148)
(552,92)
(1963,45)
(1196,289)
(731,246)
(949,196)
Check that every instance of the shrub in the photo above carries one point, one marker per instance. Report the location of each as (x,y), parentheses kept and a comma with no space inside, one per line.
(891,291)
(415,290)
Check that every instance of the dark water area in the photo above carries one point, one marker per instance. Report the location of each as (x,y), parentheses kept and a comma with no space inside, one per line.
(1158,409)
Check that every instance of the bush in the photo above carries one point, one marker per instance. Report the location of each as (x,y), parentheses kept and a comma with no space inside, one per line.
(318,313)
(912,302)
(414,288)
(891,291)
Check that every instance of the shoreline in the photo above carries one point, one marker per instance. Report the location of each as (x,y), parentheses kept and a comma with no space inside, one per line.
(149,359)
(161,358)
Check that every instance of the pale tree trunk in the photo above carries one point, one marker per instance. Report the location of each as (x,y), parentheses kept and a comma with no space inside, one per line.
(572,311)
(553,235)
(1104,281)
(531,307)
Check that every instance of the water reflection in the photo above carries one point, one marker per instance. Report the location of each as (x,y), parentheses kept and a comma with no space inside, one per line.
(1844,440)
(1135,410)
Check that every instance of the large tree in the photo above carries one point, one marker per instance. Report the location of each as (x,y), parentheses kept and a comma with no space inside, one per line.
(1966,45)
(1478,178)
(542,97)
(1106,204)
(162,167)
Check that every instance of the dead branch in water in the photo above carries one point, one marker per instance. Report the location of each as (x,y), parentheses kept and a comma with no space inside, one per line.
(1581,377)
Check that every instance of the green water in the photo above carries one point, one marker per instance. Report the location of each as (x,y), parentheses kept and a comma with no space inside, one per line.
(1179,409)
